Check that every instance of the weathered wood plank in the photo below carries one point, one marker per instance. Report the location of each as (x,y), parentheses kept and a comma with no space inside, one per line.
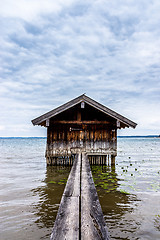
(73,184)
(67,221)
(92,221)
(80,191)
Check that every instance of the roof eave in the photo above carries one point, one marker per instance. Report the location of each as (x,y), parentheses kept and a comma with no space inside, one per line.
(57,110)
(89,101)
(110,112)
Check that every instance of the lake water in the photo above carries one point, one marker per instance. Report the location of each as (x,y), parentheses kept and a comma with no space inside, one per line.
(30,192)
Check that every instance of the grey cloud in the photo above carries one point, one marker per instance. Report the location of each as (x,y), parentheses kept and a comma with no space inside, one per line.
(108,49)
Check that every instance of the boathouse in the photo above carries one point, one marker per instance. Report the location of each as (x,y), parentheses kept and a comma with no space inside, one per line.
(82,125)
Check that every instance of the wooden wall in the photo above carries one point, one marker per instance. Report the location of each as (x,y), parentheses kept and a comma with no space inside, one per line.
(67,140)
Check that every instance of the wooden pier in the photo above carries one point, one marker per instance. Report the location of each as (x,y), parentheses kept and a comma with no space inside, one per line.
(80,215)
(79,133)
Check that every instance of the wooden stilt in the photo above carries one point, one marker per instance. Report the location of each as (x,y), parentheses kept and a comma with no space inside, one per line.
(112,160)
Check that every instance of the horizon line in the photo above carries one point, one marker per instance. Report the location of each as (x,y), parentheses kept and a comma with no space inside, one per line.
(122,136)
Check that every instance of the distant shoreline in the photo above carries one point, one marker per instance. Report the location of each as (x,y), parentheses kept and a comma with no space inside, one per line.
(147,136)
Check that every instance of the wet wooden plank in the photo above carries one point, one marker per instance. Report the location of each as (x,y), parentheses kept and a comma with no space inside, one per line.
(92,221)
(73,183)
(67,221)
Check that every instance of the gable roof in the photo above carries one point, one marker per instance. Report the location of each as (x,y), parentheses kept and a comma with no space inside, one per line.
(89,101)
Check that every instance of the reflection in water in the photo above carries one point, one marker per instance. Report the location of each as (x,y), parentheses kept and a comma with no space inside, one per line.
(124,212)
(50,195)
(116,205)
(29,201)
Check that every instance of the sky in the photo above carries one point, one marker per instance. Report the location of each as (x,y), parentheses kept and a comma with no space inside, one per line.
(53,51)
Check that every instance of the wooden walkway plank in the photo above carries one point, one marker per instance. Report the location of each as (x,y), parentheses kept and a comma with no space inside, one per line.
(73,183)
(80,215)
(93,225)
(66,225)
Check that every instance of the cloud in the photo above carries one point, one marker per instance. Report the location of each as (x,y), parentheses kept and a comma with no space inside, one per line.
(2,127)
(29,10)
(53,51)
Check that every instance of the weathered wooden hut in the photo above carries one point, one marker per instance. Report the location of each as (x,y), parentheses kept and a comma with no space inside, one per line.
(82,125)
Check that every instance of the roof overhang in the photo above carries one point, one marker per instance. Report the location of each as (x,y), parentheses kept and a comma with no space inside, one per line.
(83,98)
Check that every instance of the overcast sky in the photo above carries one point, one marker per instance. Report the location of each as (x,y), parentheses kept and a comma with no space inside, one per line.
(53,51)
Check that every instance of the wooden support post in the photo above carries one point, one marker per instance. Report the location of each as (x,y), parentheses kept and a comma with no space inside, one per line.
(112,160)
(105,159)
(48,159)
(99,157)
